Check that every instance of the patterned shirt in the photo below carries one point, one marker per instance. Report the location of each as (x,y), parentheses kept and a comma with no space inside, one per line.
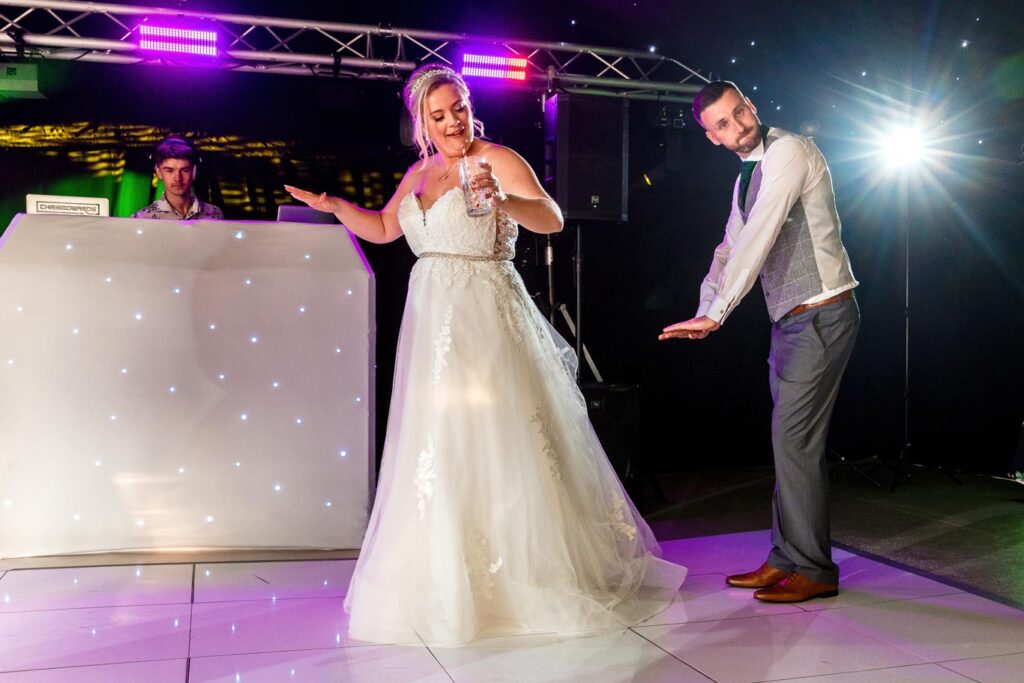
(161,209)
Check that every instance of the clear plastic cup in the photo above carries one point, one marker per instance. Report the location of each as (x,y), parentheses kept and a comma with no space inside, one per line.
(477,201)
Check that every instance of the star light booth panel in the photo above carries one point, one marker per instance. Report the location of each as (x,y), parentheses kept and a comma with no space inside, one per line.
(170,384)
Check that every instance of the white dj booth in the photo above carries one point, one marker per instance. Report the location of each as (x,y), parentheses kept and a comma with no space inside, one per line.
(172,384)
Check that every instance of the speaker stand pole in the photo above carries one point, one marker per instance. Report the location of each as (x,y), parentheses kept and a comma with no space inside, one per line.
(578,275)
(549,261)
(555,309)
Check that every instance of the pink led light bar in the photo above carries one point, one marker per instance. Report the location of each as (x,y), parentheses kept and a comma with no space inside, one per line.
(178,40)
(488,66)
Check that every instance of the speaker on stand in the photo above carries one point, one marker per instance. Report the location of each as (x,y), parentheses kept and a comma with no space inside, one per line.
(586,157)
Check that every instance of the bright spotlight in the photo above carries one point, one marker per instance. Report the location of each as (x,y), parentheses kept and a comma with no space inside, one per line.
(903,147)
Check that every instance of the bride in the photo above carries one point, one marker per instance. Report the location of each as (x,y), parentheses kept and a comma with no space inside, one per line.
(497,512)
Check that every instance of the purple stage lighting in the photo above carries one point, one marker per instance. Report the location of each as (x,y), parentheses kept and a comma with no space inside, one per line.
(488,66)
(183,41)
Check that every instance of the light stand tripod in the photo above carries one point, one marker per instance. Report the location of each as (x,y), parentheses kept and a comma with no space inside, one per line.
(903,461)
(853,465)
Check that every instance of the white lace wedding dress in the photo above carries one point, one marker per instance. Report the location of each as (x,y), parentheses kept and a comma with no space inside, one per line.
(497,511)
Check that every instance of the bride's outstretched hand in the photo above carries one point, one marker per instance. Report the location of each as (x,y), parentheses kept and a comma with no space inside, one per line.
(320,202)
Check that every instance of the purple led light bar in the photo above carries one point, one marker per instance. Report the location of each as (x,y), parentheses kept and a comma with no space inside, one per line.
(489,66)
(178,40)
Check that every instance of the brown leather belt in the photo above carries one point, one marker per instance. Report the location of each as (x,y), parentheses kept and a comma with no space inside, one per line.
(841,296)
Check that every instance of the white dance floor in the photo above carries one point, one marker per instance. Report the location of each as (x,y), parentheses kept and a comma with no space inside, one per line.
(256,622)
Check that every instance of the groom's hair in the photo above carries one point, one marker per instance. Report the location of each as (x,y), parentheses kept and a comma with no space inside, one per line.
(709,94)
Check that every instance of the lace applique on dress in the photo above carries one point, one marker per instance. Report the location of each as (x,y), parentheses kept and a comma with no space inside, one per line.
(504,289)
(480,568)
(546,446)
(507,232)
(618,519)
(443,344)
(450,272)
(425,476)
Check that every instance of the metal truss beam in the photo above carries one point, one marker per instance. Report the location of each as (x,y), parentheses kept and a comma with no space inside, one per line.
(107,33)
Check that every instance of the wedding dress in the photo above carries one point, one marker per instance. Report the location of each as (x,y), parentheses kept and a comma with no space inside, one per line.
(497,511)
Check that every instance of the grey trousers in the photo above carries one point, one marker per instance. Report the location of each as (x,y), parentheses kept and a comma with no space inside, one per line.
(808,355)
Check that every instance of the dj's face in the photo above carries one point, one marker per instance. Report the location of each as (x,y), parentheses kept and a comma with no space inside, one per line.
(177,176)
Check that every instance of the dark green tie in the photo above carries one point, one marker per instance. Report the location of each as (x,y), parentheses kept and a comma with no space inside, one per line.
(745,173)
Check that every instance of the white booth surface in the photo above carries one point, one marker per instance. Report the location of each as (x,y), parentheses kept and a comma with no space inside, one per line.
(169,384)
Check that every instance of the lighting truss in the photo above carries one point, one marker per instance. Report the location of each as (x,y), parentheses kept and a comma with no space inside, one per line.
(108,33)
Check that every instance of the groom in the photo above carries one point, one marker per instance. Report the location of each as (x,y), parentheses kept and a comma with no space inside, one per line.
(784,226)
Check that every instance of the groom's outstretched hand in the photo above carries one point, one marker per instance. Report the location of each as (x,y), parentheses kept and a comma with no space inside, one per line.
(694,328)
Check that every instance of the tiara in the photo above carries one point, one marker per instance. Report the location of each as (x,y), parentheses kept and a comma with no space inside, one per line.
(416,83)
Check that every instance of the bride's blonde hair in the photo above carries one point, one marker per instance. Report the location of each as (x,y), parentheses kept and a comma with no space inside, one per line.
(422,81)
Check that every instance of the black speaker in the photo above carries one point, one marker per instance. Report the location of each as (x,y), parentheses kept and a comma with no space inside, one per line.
(614,411)
(586,155)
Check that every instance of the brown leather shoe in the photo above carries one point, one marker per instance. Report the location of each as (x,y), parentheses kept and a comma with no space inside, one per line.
(797,588)
(763,577)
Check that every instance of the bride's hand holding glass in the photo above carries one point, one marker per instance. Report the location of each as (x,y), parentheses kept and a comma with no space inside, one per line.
(487,183)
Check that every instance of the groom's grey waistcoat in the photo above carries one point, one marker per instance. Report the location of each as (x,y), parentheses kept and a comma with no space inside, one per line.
(808,256)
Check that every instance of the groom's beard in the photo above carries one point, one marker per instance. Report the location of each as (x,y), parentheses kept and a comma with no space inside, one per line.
(748,141)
